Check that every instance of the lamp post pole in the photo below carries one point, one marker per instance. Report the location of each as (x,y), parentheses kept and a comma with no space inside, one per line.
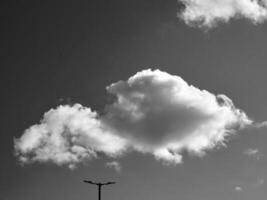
(99,192)
(99,185)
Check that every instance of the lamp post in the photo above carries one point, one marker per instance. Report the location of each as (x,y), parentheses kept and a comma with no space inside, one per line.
(99,185)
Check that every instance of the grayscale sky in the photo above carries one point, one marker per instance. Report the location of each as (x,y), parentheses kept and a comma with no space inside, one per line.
(67,52)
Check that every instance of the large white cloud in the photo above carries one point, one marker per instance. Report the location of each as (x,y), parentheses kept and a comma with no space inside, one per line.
(154,112)
(67,135)
(207,13)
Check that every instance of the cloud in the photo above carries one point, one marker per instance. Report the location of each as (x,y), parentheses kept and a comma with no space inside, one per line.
(67,135)
(163,115)
(238,188)
(259,182)
(114,165)
(260,124)
(154,113)
(254,153)
(253,184)
(207,13)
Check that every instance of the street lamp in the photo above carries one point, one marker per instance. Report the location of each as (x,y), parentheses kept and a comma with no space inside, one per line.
(99,185)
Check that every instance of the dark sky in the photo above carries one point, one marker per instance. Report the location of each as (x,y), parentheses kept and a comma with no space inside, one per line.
(69,51)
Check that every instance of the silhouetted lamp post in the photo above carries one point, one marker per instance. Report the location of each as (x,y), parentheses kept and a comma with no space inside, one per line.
(99,186)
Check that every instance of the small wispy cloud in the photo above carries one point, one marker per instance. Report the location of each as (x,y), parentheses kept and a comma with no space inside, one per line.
(208,13)
(114,165)
(252,184)
(260,124)
(259,182)
(238,188)
(154,113)
(254,153)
